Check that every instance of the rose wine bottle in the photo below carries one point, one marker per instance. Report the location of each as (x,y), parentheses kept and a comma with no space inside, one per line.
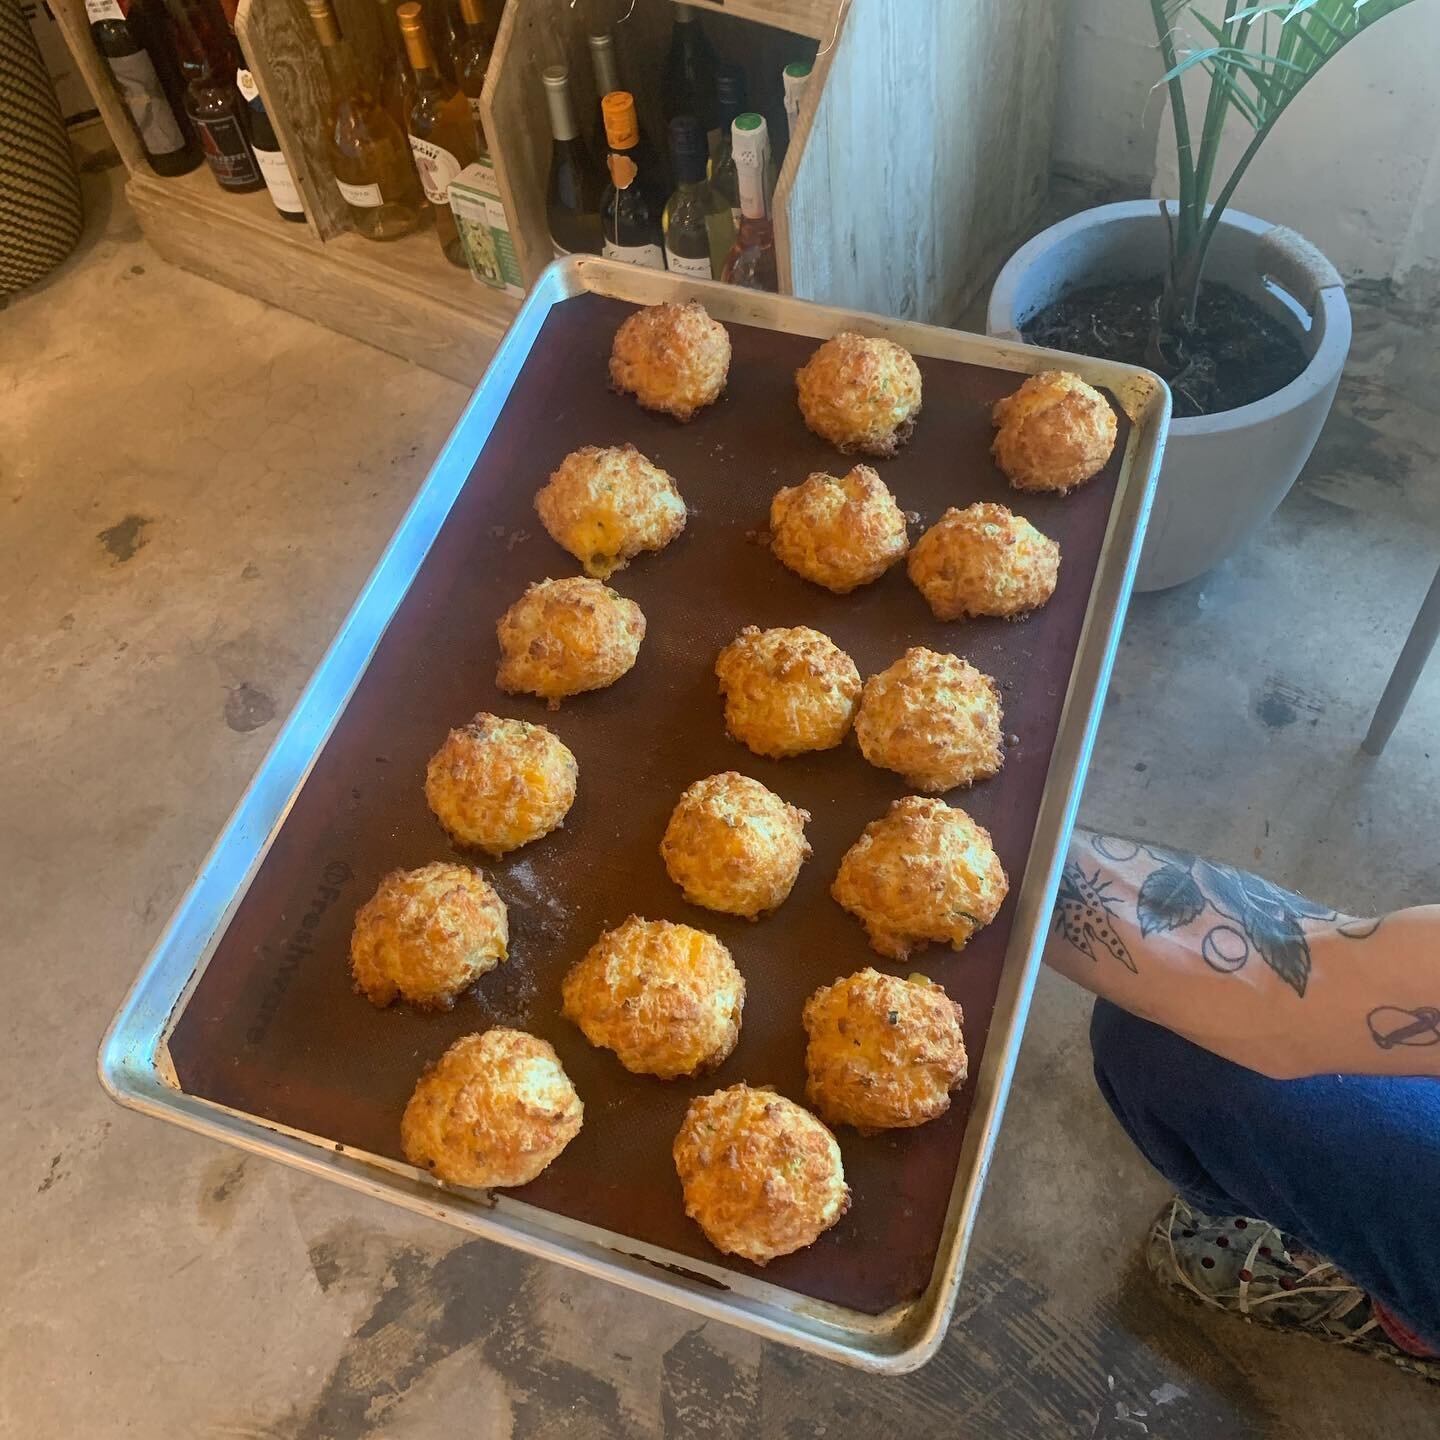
(751,262)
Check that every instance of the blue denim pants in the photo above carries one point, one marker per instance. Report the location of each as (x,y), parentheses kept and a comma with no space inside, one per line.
(1347,1164)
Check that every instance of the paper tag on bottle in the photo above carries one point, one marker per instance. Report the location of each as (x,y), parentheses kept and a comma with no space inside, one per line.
(97,10)
(687,264)
(279,181)
(365,197)
(652,257)
(437,167)
(622,171)
(474,109)
(245,84)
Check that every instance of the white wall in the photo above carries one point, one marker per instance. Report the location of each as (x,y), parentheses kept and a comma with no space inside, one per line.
(1354,164)
(1107,118)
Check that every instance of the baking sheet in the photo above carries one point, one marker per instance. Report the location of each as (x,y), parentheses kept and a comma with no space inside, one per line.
(273,1029)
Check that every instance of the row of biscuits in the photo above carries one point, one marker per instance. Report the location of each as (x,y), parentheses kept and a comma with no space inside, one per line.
(760,1174)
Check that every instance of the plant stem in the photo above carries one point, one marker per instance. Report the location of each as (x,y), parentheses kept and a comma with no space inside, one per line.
(1188,219)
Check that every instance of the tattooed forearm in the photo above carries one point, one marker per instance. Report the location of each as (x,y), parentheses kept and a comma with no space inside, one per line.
(1245,914)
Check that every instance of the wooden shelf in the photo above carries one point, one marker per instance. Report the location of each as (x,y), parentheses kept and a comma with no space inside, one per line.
(921,151)
(401,295)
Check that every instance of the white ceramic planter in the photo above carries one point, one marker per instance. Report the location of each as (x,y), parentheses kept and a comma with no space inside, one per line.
(1223,475)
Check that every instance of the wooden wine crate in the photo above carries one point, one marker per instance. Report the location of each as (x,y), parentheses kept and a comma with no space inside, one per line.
(921,152)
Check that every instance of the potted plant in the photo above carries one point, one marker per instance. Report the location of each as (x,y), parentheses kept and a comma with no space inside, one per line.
(1246,320)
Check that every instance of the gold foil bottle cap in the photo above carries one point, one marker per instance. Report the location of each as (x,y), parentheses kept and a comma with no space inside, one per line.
(409,17)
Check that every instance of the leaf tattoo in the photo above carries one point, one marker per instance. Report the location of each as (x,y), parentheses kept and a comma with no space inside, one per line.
(1168,900)
(1083,915)
(1283,948)
(1176,894)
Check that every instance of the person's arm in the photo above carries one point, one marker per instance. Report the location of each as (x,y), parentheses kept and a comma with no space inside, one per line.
(1251,972)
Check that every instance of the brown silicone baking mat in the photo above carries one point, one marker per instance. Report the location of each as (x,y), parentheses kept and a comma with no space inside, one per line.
(273,1028)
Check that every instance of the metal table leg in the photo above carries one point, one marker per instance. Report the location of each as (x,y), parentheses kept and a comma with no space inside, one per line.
(1407,671)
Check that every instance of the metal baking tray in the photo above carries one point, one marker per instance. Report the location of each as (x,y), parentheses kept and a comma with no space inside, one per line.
(242,1024)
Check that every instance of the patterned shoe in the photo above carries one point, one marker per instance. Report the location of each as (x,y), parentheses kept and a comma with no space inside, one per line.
(1249,1268)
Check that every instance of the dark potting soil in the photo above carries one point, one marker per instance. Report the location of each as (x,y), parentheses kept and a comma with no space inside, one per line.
(1235,354)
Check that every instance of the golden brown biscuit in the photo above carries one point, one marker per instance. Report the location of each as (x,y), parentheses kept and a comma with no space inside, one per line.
(734,846)
(934,719)
(665,998)
(839,533)
(787,690)
(498,784)
(494,1109)
(672,358)
(562,637)
(923,872)
(884,1053)
(762,1176)
(1053,433)
(607,505)
(426,934)
(983,560)
(860,394)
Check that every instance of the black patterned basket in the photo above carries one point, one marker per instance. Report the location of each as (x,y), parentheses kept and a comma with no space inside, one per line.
(40,211)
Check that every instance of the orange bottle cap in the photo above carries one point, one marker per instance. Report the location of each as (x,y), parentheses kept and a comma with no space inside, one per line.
(622,130)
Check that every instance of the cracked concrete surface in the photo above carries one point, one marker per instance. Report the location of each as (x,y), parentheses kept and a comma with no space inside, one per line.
(193,487)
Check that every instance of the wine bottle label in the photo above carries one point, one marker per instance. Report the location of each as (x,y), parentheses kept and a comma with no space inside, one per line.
(279,181)
(97,10)
(475,109)
(245,84)
(227,150)
(140,89)
(364,197)
(437,167)
(652,257)
(687,264)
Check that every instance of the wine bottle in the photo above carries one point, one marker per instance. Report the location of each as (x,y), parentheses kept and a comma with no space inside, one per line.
(274,169)
(137,64)
(369,152)
(698,227)
(573,195)
(397,84)
(688,85)
(607,82)
(751,261)
(442,24)
(208,63)
(472,59)
(795,77)
(629,223)
(442,133)
(730,101)
(264,143)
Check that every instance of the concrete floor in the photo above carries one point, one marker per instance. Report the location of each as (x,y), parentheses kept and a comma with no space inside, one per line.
(193,487)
